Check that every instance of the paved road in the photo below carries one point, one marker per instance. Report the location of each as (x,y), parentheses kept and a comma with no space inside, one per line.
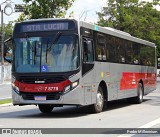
(119,114)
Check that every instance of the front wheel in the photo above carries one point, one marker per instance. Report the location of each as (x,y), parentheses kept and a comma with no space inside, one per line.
(45,108)
(98,106)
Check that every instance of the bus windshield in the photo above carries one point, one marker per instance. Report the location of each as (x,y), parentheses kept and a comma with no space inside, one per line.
(45,54)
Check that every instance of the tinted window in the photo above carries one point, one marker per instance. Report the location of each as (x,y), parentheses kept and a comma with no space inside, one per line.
(120,45)
(129,52)
(143,55)
(117,50)
(150,58)
(101,47)
(111,42)
(88,50)
(136,53)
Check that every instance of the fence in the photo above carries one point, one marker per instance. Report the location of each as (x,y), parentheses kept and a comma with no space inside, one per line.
(5,73)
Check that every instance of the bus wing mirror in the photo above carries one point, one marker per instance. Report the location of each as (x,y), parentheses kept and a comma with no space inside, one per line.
(8,50)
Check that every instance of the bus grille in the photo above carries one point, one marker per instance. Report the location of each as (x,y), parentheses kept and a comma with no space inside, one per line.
(45,79)
(49,96)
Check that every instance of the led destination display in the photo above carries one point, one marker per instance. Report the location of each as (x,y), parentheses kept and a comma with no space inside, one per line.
(47,26)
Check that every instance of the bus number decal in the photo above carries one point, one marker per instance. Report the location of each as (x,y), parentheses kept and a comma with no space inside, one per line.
(51,88)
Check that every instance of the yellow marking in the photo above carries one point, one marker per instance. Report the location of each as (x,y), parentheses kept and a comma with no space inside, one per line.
(102,74)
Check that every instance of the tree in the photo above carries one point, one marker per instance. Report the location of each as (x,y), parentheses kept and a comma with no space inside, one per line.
(8,30)
(35,9)
(140,19)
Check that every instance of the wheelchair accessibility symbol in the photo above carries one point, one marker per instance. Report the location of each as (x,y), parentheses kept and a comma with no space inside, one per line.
(44,68)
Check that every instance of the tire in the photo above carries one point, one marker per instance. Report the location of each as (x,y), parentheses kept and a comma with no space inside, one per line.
(98,106)
(139,98)
(45,108)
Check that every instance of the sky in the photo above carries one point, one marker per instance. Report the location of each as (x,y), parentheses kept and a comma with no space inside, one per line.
(83,10)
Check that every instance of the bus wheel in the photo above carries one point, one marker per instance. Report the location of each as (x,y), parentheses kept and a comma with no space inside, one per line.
(139,98)
(45,108)
(98,106)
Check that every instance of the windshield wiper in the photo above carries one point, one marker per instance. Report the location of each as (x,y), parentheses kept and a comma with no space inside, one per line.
(35,52)
(47,51)
(58,35)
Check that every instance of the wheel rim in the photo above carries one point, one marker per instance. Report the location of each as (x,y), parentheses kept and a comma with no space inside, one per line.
(140,94)
(99,103)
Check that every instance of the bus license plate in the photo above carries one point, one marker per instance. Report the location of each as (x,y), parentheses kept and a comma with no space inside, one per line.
(40,97)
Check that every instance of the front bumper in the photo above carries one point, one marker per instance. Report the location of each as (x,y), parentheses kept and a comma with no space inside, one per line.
(73,97)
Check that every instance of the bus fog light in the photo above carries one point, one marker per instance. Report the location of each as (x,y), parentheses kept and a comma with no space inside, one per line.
(16,89)
(67,89)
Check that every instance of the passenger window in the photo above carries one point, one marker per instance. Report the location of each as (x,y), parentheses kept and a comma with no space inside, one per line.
(88,55)
(101,53)
(120,45)
(112,48)
(129,52)
(136,53)
(143,59)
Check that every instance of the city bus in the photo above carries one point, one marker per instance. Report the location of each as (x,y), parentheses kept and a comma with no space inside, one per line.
(58,62)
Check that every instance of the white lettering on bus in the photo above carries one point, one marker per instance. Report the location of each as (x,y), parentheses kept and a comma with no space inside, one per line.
(59,26)
(33,27)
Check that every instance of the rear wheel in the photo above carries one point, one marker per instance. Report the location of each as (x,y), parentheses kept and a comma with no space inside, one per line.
(98,106)
(45,108)
(139,98)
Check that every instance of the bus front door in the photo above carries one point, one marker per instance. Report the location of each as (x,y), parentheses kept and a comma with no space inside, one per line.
(88,72)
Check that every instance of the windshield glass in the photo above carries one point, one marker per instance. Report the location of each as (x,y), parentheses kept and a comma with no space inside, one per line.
(45,54)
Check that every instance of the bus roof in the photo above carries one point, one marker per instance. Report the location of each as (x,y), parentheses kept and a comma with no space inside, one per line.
(114,32)
(46,19)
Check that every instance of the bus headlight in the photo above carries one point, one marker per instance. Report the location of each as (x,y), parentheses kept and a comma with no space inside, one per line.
(75,84)
(71,86)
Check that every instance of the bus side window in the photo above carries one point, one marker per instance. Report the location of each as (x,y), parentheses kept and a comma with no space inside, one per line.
(101,51)
(87,50)
(136,53)
(129,52)
(120,50)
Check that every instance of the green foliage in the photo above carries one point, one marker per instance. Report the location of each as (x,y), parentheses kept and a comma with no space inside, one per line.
(139,18)
(8,30)
(35,9)
(22,17)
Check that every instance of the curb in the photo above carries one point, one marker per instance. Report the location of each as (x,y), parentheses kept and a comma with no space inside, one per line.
(5,98)
(6,105)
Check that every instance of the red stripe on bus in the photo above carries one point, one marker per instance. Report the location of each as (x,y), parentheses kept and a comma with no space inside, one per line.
(130,80)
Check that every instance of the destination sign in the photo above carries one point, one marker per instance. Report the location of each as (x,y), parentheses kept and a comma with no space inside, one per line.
(47,26)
